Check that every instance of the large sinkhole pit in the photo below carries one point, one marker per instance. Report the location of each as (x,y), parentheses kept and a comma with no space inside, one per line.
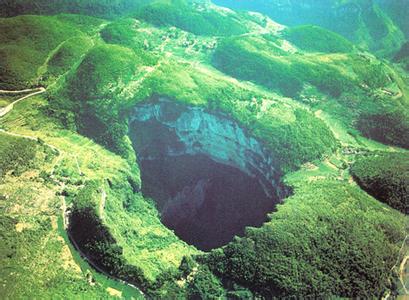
(208,178)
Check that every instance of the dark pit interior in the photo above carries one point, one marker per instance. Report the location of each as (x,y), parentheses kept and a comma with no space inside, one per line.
(204,200)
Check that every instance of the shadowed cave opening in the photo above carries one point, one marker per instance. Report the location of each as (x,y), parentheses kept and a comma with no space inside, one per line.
(209,180)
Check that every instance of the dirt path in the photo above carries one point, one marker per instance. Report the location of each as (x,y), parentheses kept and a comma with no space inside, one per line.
(401,271)
(78,165)
(30,138)
(102,203)
(4,111)
(402,274)
(134,85)
(399,266)
(17,91)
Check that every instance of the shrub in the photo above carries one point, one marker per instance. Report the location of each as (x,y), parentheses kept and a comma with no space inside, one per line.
(205,285)
(17,154)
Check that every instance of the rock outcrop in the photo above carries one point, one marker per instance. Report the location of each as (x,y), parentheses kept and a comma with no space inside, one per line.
(172,129)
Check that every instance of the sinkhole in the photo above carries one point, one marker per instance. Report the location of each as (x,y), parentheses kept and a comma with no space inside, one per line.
(208,178)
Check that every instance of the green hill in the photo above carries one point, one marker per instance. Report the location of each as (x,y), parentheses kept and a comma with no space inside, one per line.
(181,15)
(372,26)
(108,9)
(349,76)
(317,39)
(27,43)
(385,176)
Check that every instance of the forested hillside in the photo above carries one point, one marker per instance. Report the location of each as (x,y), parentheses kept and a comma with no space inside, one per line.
(376,25)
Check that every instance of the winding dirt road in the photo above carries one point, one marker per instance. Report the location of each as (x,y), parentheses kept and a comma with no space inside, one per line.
(5,110)
(17,91)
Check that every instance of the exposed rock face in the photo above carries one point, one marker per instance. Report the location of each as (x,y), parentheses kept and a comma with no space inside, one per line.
(192,130)
(208,177)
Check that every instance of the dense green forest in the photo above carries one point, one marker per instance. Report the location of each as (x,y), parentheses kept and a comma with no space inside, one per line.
(181,15)
(385,176)
(315,238)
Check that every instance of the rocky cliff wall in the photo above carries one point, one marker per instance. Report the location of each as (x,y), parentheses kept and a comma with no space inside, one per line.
(166,128)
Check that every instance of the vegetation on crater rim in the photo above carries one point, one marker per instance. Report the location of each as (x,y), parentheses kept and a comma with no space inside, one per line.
(385,177)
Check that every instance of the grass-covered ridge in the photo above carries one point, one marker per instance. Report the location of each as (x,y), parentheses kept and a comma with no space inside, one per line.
(179,14)
(317,39)
(28,42)
(365,89)
(252,58)
(373,25)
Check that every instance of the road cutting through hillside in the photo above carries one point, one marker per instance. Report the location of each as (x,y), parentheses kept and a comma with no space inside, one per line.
(14,92)
(4,111)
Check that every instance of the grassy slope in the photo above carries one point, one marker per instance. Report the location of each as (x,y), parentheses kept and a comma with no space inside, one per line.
(316,39)
(99,165)
(36,256)
(353,82)
(201,22)
(27,43)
